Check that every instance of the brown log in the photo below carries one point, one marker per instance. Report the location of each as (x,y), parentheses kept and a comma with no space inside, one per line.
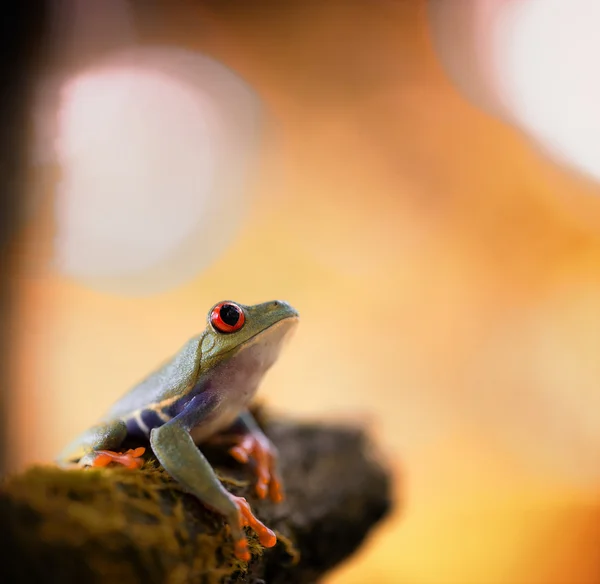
(118,525)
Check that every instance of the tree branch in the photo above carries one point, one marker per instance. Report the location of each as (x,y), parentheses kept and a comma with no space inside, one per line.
(117,525)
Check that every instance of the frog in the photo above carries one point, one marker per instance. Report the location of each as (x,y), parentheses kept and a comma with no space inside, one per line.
(201,394)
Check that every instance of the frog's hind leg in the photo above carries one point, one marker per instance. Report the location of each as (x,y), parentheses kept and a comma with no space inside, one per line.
(175,449)
(96,447)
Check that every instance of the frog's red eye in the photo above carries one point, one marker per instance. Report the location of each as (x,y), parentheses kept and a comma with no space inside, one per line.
(227,317)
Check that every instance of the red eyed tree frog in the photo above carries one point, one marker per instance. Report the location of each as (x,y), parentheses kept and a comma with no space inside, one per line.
(204,390)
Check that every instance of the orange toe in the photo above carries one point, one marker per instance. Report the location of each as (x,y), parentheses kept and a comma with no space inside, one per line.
(263,455)
(239,454)
(275,490)
(241,550)
(265,535)
(130,459)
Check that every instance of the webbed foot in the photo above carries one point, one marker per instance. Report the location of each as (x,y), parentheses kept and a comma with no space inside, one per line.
(265,535)
(258,449)
(130,459)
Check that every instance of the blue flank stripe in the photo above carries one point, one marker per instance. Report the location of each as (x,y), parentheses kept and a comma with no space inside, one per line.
(149,417)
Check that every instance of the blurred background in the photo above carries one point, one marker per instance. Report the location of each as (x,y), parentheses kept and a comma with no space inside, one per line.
(381,166)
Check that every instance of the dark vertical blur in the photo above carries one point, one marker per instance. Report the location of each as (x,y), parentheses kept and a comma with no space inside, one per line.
(22,34)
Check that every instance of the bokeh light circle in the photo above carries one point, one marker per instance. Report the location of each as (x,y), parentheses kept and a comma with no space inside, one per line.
(156,148)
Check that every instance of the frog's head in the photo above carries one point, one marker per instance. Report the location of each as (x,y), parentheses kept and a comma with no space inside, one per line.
(233,327)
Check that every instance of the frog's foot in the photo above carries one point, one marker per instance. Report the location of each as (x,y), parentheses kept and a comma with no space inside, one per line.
(130,459)
(266,536)
(262,453)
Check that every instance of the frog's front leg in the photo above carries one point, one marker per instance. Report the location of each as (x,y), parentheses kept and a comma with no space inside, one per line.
(251,445)
(97,446)
(174,447)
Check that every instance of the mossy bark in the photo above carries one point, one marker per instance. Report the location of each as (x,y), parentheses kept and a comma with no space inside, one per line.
(117,525)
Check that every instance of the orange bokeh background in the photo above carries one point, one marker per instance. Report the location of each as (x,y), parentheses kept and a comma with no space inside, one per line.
(433,255)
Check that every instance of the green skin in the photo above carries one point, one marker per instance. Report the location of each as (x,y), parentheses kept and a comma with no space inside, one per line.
(203,390)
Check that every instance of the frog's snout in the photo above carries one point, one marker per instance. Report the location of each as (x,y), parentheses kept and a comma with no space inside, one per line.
(283,308)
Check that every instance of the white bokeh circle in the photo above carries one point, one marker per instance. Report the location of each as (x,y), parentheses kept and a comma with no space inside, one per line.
(156,148)
(532,63)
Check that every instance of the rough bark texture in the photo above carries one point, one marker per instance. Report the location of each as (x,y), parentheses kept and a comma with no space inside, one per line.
(116,525)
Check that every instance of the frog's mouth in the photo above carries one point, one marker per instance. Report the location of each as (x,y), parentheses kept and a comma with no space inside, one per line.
(277,333)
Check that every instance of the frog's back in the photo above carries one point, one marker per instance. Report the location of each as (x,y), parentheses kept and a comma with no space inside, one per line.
(168,383)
